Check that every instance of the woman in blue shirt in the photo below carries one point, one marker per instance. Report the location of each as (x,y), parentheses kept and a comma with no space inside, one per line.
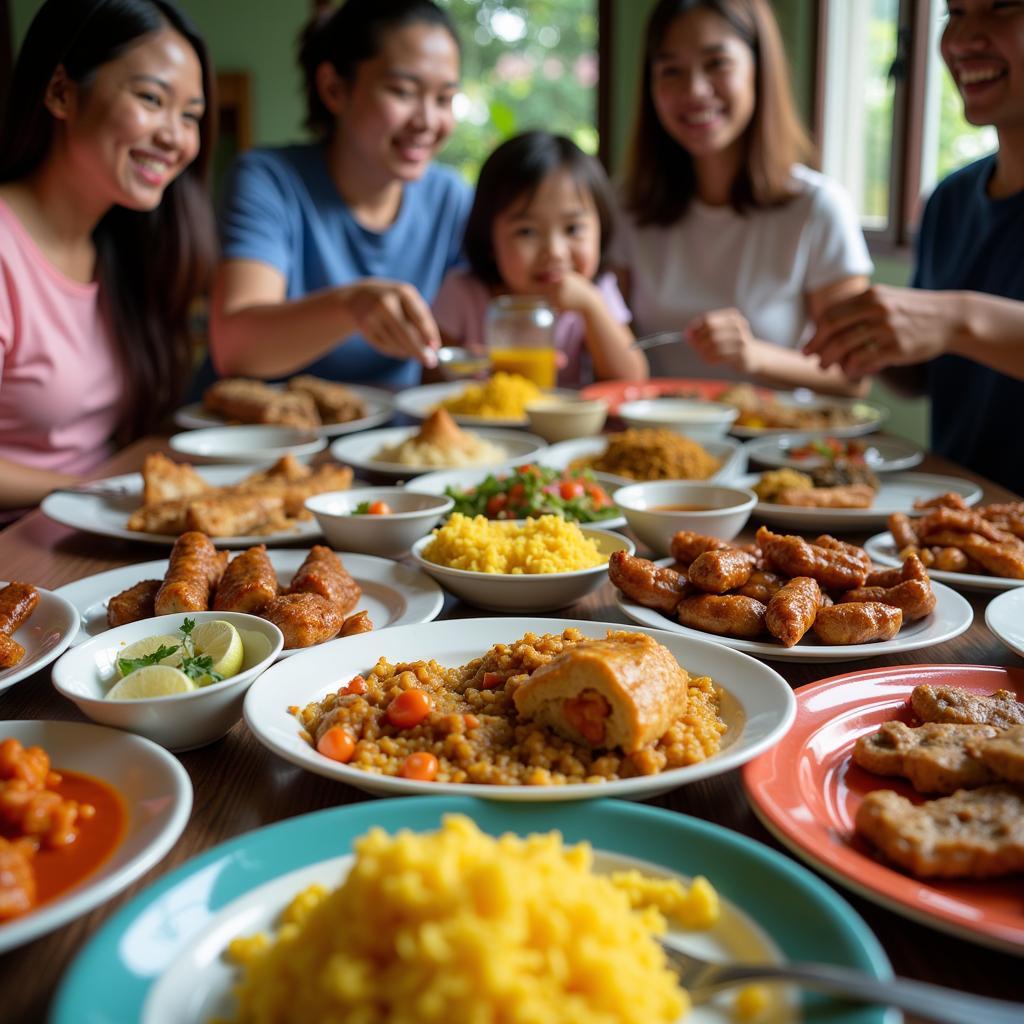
(333,250)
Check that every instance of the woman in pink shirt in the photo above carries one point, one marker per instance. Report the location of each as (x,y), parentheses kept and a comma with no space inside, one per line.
(106,235)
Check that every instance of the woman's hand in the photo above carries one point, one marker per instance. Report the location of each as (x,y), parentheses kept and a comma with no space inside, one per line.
(723,336)
(885,326)
(393,318)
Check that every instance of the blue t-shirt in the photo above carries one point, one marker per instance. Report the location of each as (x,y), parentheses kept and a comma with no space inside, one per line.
(282,208)
(971,242)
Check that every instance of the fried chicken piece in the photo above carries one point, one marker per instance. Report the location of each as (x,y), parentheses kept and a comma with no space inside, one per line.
(687,545)
(650,585)
(861,622)
(723,615)
(915,598)
(793,609)
(360,622)
(949,559)
(193,571)
(826,540)
(248,583)
(843,496)
(165,480)
(955,704)
(253,401)
(334,402)
(17,602)
(761,585)
(235,515)
(323,573)
(960,521)
(715,572)
(902,530)
(304,619)
(948,500)
(793,556)
(134,604)
(167,519)
(1003,753)
(287,468)
(935,757)
(11,652)
(292,489)
(998,559)
(975,833)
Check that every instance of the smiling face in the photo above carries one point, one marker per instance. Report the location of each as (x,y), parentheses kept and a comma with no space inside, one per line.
(540,238)
(396,113)
(983,47)
(134,127)
(703,84)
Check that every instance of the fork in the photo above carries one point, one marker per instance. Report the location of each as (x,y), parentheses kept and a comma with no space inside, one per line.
(945,1006)
(99,488)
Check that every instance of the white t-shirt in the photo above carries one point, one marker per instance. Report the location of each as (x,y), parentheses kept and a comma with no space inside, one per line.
(763,263)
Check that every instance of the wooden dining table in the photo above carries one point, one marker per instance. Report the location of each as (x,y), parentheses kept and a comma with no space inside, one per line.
(266,789)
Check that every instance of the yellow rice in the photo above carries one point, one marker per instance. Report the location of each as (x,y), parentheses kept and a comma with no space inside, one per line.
(503,396)
(543,545)
(456,927)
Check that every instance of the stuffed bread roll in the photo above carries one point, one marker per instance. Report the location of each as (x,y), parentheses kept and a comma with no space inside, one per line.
(624,691)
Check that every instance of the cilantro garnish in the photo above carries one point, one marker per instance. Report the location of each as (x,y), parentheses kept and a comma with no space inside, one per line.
(195,666)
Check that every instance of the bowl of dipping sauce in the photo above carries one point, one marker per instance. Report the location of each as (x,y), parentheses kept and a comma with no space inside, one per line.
(656,511)
(562,418)
(692,417)
(383,521)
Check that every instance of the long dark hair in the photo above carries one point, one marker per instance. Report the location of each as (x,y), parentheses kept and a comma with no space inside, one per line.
(660,179)
(346,36)
(514,171)
(150,264)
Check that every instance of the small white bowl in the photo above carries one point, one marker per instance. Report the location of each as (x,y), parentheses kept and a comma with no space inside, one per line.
(391,535)
(691,417)
(723,513)
(539,592)
(250,444)
(560,419)
(179,721)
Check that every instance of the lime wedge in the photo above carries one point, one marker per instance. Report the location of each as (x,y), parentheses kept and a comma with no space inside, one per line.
(143,648)
(151,681)
(219,640)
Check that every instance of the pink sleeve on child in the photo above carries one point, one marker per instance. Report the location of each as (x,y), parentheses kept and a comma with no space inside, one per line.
(608,286)
(460,308)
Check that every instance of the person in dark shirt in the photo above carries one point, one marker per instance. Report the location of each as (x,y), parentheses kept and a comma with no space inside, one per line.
(964,315)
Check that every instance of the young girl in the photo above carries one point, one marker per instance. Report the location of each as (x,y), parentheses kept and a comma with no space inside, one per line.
(106,235)
(540,224)
(725,236)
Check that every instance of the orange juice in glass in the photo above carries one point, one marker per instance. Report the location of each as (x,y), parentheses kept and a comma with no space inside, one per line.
(520,334)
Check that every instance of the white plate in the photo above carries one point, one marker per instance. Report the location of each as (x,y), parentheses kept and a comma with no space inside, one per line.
(157,797)
(435,483)
(362,451)
(869,417)
(47,634)
(106,509)
(248,444)
(420,402)
(758,706)
(393,594)
(1005,617)
(882,549)
(731,454)
(952,616)
(380,407)
(897,493)
(881,454)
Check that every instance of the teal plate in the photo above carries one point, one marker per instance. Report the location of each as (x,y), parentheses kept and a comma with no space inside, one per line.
(109,981)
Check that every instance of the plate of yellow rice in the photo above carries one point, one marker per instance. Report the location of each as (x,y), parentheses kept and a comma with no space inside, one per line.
(450,909)
(498,401)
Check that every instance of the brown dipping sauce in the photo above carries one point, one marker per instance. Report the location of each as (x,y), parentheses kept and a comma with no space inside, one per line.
(60,869)
(681,508)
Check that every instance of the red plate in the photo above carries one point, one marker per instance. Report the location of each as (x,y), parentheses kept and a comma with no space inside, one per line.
(806,791)
(615,392)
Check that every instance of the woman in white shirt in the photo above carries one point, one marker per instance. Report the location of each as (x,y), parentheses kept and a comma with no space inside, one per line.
(724,235)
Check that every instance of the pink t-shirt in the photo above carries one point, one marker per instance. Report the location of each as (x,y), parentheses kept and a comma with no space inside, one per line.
(461,306)
(60,377)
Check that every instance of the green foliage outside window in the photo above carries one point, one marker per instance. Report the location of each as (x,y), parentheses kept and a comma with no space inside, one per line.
(527,65)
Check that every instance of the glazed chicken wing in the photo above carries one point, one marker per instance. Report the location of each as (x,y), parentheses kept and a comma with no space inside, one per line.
(194,570)
(717,571)
(724,615)
(134,604)
(915,598)
(249,582)
(857,623)
(322,573)
(11,652)
(687,545)
(761,585)
(793,556)
(792,610)
(17,602)
(650,585)
(903,532)
(304,619)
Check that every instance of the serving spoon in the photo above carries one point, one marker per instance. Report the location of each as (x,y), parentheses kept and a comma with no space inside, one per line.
(702,979)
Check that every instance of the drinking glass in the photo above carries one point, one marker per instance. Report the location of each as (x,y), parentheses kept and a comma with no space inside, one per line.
(520,336)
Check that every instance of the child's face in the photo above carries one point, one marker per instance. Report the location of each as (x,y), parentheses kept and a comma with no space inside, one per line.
(540,239)
(703,84)
(983,46)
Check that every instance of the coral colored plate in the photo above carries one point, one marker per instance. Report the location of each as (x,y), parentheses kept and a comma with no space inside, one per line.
(806,791)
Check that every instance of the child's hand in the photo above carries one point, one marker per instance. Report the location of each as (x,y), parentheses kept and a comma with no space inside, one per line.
(723,336)
(571,291)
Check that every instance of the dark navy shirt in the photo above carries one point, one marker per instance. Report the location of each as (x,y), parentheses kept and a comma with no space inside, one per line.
(971,242)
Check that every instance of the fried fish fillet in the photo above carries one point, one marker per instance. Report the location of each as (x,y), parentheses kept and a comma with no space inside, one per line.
(975,833)
(334,402)
(169,518)
(234,515)
(166,480)
(253,401)
(955,704)
(1003,753)
(843,496)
